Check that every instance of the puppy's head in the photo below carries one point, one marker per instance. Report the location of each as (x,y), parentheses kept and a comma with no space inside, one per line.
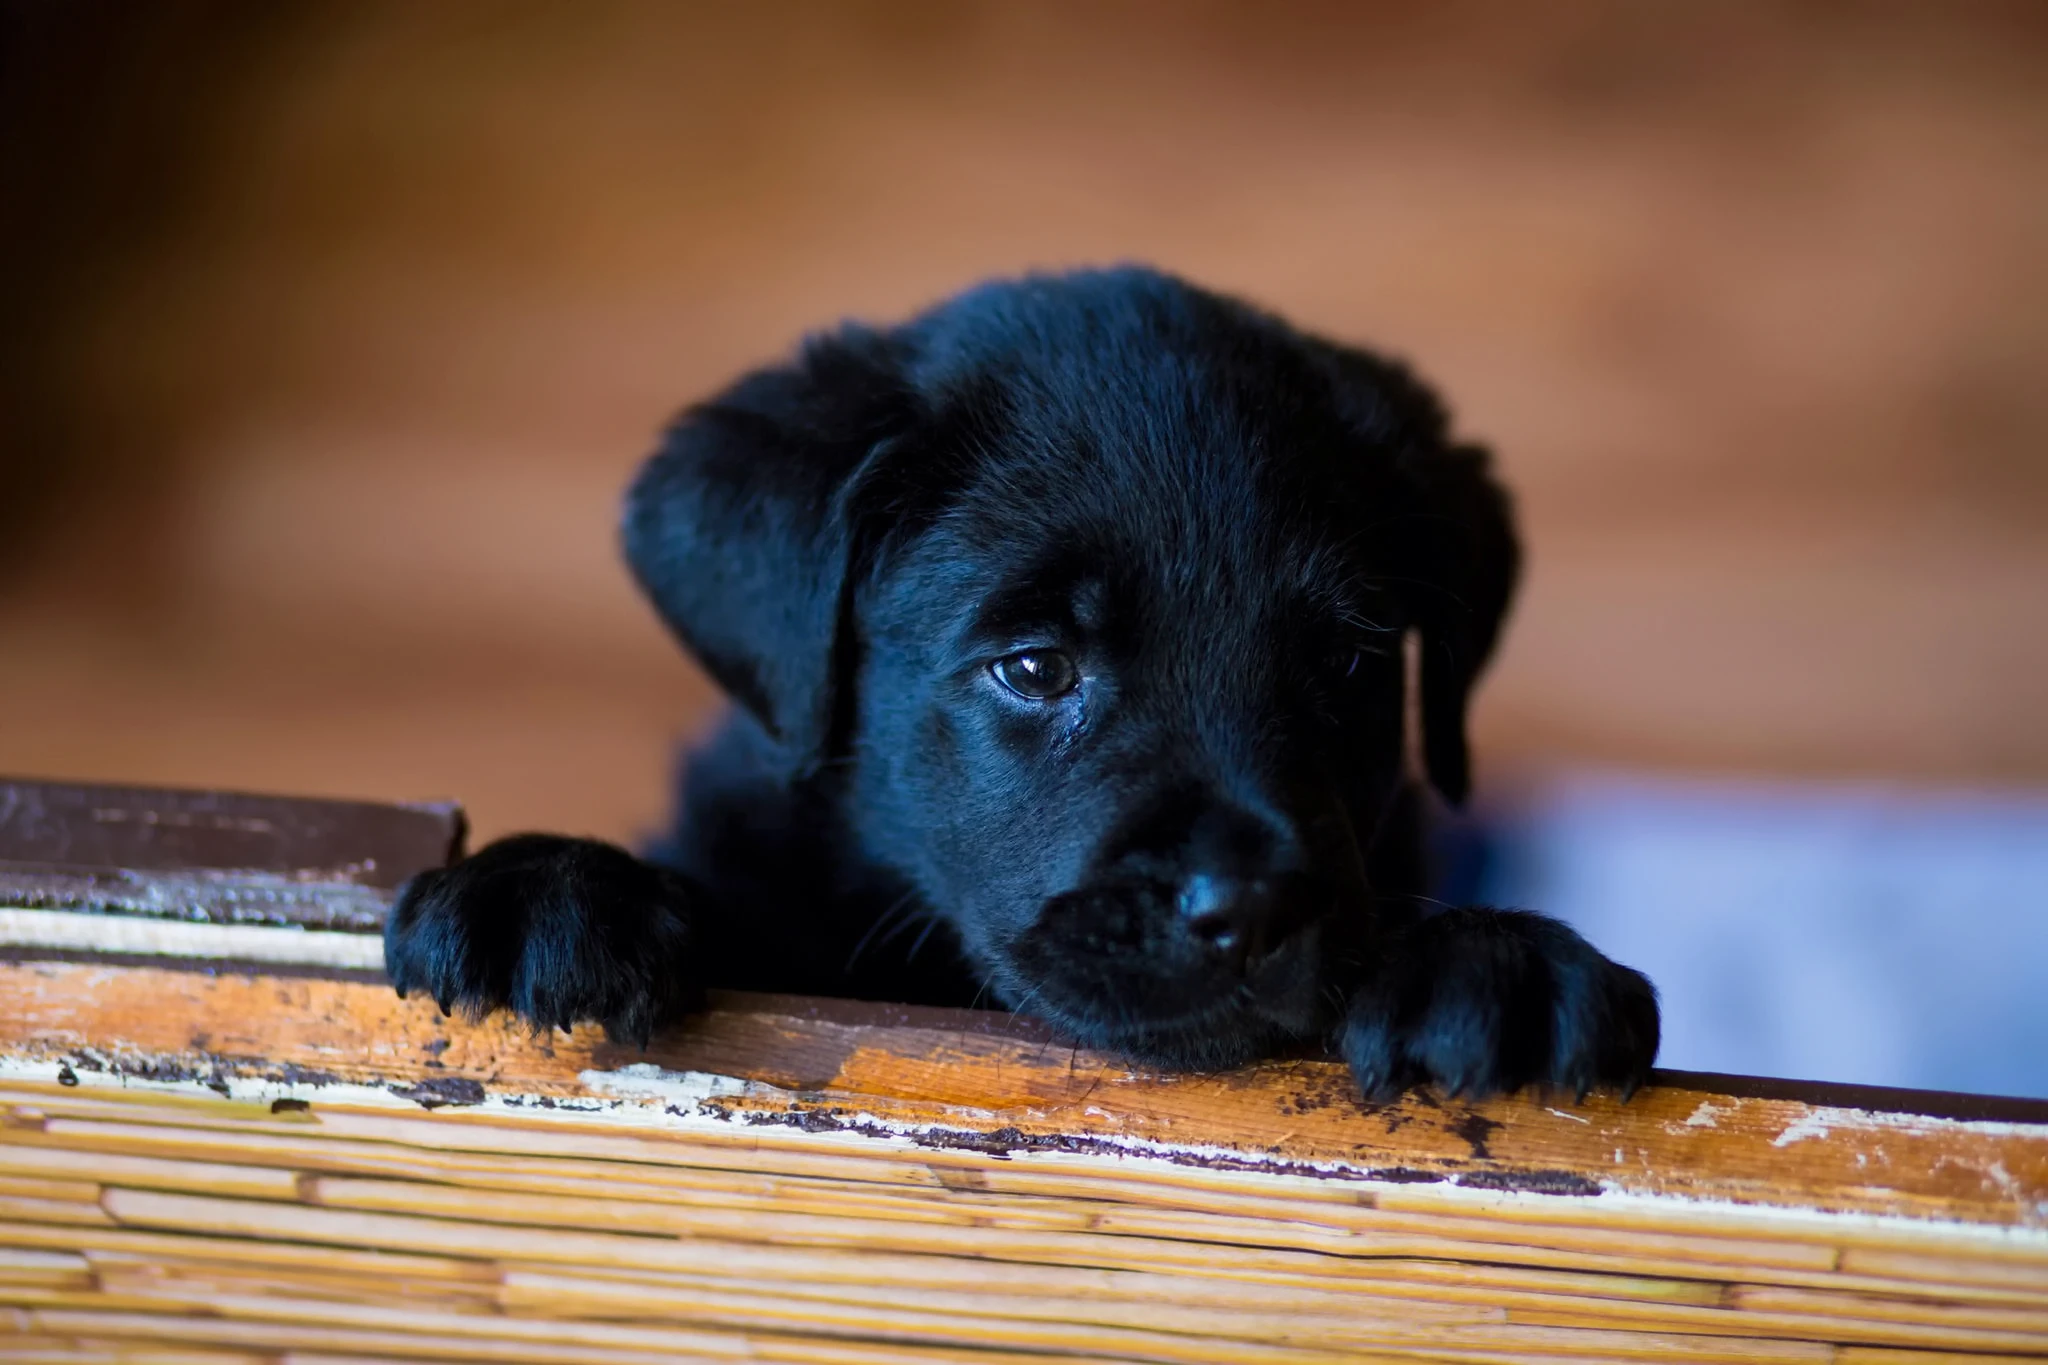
(1090,594)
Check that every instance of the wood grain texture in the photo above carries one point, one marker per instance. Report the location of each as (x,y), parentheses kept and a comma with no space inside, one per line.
(143,856)
(247,1167)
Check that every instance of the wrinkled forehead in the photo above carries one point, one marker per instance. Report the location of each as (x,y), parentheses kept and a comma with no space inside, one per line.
(1166,549)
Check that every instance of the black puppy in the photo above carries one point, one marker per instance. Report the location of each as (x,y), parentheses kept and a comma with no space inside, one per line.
(1067,622)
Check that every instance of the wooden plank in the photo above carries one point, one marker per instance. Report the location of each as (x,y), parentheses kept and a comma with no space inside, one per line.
(974,1083)
(210,1160)
(230,1161)
(232,858)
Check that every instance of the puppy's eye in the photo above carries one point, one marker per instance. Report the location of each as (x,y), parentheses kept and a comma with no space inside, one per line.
(1343,662)
(1347,663)
(1039,674)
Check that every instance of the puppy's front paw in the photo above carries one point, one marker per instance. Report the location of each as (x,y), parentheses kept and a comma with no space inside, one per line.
(554,929)
(1485,1001)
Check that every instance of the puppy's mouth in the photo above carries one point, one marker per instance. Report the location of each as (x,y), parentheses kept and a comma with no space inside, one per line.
(1120,970)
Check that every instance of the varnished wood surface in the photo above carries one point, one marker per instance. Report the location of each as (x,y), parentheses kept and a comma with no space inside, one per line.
(974,1075)
(249,1167)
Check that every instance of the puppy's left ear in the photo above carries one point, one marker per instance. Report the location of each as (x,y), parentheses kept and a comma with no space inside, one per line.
(1452,545)
(1462,553)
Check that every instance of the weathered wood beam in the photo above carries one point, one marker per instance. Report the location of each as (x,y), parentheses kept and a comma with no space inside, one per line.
(247,1165)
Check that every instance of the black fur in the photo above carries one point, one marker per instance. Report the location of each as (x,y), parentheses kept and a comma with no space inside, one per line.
(1207,850)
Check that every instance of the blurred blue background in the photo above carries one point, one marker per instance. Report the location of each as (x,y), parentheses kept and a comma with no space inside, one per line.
(1879,935)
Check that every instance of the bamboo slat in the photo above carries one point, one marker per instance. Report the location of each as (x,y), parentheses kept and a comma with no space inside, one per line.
(228,1166)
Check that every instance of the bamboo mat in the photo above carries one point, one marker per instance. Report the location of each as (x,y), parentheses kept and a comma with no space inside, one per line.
(211,1166)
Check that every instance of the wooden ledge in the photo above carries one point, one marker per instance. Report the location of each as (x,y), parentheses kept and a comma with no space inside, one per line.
(243,1163)
(224,1141)
(999,1085)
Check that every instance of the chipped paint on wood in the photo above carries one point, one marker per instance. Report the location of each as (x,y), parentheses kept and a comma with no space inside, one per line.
(795,1065)
(804,1180)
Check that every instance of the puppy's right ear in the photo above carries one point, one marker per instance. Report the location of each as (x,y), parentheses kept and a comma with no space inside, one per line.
(740,530)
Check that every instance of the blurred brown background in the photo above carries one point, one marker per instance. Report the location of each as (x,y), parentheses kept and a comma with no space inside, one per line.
(331,333)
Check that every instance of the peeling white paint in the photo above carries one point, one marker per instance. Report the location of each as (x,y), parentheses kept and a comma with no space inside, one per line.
(1575,1118)
(646,1081)
(148,936)
(1808,1125)
(1703,1117)
(1918,1125)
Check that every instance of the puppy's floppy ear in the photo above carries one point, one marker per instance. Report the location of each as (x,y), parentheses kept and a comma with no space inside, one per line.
(740,527)
(1465,560)
(1453,544)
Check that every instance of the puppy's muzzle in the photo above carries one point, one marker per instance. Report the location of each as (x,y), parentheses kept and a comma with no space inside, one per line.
(1171,951)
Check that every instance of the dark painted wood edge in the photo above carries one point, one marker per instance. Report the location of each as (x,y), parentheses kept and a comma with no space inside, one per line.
(202,895)
(87,827)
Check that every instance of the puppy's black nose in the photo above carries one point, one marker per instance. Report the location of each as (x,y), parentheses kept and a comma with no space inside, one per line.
(1229,916)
